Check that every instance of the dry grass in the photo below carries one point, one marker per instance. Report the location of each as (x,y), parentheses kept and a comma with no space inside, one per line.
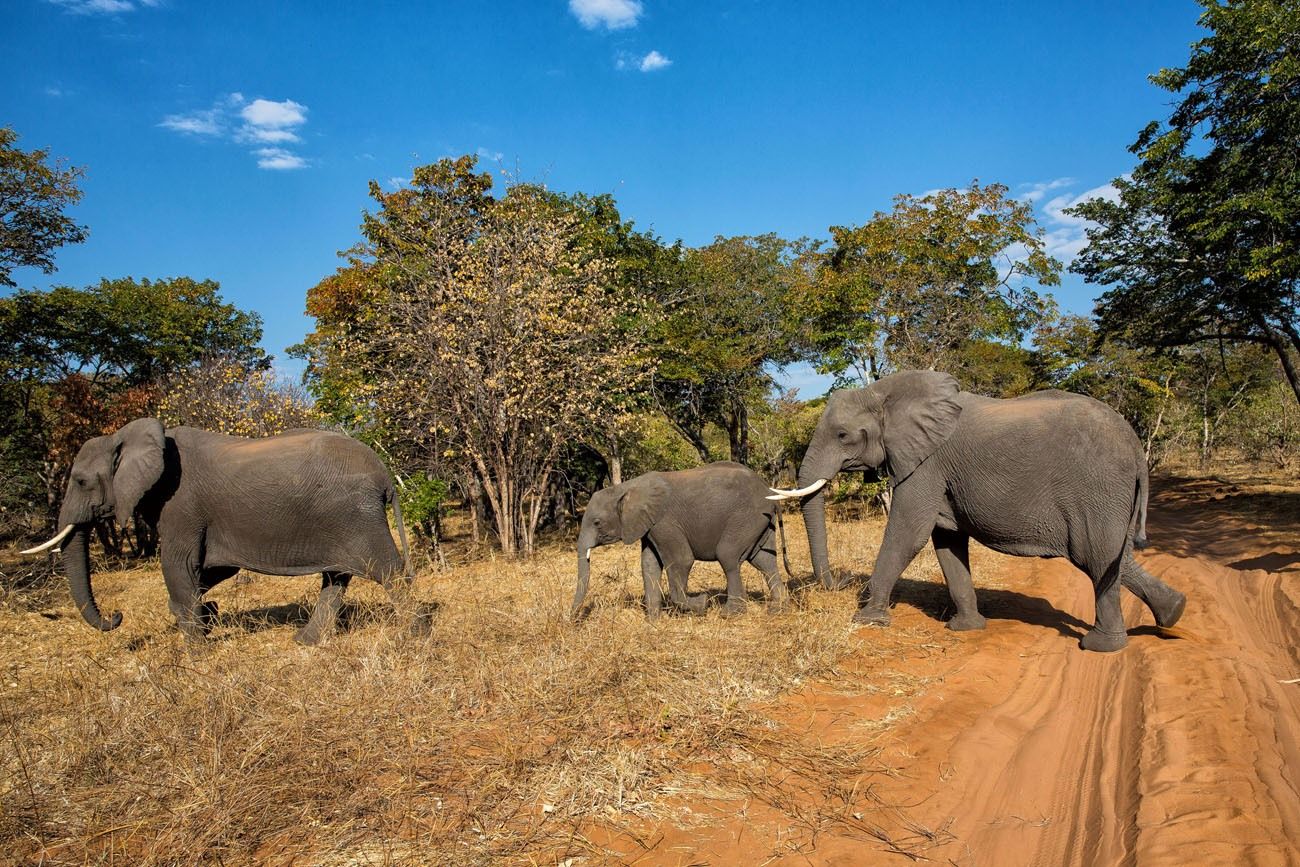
(502,737)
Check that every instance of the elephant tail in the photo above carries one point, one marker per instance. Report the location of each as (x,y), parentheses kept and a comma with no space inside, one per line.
(785,549)
(395,501)
(1140,507)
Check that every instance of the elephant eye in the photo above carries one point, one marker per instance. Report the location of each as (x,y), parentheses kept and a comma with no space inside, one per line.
(843,436)
(81,482)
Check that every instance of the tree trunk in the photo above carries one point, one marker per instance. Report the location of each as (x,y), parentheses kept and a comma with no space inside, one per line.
(738,431)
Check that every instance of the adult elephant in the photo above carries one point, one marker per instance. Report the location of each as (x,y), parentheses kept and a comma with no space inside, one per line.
(1050,474)
(302,502)
(717,512)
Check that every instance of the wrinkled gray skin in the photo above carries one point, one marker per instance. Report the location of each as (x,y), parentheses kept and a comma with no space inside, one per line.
(718,512)
(1050,474)
(302,502)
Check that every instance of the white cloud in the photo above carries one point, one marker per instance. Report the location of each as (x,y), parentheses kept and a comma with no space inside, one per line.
(260,122)
(1065,235)
(100,7)
(653,61)
(267,114)
(494,156)
(278,159)
(1034,192)
(208,122)
(610,14)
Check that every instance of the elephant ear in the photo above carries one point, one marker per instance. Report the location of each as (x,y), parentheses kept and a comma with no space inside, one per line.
(920,411)
(138,463)
(641,505)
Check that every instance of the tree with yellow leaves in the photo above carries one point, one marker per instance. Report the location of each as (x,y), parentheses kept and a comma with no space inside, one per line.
(489,332)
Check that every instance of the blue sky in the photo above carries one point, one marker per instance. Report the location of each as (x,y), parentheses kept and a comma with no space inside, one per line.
(234,140)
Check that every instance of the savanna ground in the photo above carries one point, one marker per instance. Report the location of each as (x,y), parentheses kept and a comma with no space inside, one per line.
(508,735)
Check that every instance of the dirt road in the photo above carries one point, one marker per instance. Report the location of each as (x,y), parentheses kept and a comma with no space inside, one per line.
(1023,750)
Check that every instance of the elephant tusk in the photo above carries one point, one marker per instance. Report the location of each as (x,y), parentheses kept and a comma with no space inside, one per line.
(588,555)
(798,492)
(50,544)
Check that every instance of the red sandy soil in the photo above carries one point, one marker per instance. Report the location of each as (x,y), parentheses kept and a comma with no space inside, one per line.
(1022,749)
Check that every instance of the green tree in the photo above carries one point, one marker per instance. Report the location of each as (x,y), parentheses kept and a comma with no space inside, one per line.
(914,287)
(76,363)
(33,196)
(724,326)
(1202,242)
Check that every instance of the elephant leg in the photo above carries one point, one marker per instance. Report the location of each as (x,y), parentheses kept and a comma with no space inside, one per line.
(1165,602)
(679,573)
(905,535)
(736,601)
(675,553)
(651,569)
(952,549)
(778,598)
(325,615)
(417,622)
(184,596)
(1108,632)
(207,609)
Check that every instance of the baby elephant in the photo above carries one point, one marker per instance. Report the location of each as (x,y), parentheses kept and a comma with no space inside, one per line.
(717,512)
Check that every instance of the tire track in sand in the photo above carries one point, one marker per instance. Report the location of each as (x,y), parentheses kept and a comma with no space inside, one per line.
(1184,748)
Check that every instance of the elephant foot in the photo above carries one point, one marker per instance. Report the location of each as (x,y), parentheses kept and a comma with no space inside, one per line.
(779,606)
(695,604)
(967,622)
(872,615)
(734,608)
(832,582)
(1170,613)
(309,635)
(204,618)
(1103,642)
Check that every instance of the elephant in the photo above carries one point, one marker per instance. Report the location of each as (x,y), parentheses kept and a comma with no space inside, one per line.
(301,502)
(717,512)
(1049,474)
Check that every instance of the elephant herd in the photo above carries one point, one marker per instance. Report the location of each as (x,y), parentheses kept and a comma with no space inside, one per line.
(1050,474)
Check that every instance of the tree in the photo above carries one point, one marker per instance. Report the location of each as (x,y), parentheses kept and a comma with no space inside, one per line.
(76,363)
(724,325)
(489,332)
(1202,242)
(223,395)
(33,196)
(914,287)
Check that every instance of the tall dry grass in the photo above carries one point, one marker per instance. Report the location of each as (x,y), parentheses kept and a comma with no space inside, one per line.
(504,736)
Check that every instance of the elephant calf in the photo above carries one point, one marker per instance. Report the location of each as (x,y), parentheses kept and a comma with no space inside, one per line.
(302,502)
(1050,474)
(718,512)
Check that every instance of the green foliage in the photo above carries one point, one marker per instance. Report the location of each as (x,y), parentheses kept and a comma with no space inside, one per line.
(77,363)
(724,327)
(653,443)
(915,287)
(424,499)
(33,196)
(1268,426)
(1202,242)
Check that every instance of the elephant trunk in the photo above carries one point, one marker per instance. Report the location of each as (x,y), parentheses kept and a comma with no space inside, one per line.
(586,541)
(76,562)
(814,517)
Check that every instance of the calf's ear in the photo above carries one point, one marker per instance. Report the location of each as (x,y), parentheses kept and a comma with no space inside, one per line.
(641,505)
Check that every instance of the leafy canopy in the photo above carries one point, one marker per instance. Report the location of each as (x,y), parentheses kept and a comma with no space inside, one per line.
(912,287)
(33,196)
(1202,242)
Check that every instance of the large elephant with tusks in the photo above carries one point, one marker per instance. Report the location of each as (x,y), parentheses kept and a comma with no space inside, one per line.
(302,502)
(1050,474)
